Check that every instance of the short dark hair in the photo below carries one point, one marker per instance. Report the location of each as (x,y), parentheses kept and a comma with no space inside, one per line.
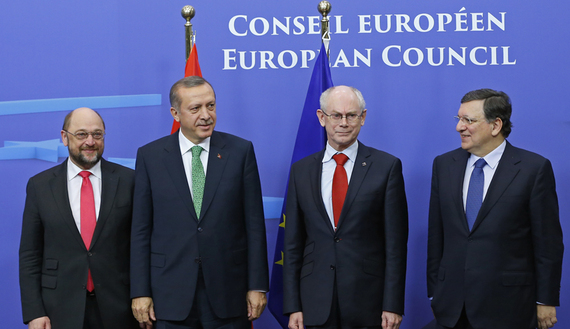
(188,82)
(497,104)
(67,119)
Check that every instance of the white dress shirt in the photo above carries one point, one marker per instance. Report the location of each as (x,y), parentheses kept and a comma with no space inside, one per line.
(74,182)
(492,160)
(329,166)
(185,149)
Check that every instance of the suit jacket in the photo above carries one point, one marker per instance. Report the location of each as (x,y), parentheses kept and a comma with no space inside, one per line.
(365,257)
(511,258)
(54,260)
(170,242)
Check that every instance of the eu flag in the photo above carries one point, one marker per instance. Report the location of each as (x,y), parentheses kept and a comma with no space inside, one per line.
(311,138)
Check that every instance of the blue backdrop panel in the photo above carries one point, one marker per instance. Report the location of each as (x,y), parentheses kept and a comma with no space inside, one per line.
(413,61)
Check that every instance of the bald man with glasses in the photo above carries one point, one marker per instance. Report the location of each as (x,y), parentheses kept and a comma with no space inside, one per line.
(74,249)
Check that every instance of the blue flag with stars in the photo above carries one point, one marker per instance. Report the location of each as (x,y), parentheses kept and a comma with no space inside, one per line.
(311,138)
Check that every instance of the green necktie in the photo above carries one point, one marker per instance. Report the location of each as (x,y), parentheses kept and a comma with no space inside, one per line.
(198,179)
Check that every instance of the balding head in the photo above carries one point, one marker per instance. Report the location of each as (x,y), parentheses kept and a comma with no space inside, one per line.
(85,152)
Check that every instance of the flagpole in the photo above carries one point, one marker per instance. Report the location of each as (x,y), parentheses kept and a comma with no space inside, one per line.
(188,13)
(324,8)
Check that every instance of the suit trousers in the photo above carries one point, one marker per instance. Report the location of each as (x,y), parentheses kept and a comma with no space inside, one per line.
(92,314)
(202,315)
(462,323)
(335,318)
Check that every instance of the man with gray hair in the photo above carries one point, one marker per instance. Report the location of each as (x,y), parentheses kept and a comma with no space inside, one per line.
(346,229)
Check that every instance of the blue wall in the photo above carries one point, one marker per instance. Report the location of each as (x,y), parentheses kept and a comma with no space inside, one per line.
(53,52)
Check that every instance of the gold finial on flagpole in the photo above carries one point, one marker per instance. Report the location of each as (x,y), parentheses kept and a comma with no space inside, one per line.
(324,8)
(188,13)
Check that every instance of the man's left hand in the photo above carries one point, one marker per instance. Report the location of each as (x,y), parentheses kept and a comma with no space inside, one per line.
(256,302)
(546,316)
(391,320)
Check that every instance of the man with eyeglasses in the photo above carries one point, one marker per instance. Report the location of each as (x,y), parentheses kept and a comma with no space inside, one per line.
(74,248)
(495,242)
(346,229)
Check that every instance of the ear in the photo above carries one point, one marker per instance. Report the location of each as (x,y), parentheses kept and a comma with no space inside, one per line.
(64,138)
(363,117)
(497,127)
(174,113)
(321,117)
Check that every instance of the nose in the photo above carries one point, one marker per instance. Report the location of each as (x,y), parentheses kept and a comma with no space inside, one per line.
(204,113)
(460,126)
(90,140)
(343,121)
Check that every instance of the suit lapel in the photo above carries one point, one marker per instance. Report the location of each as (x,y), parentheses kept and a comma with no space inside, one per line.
(506,171)
(217,160)
(109,184)
(175,167)
(456,179)
(59,190)
(359,171)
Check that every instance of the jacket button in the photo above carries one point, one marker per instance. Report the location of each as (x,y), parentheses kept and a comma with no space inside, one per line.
(336,239)
(200,229)
(89,254)
(198,260)
(332,267)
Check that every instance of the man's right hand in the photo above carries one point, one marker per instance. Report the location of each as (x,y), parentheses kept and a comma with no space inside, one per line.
(296,320)
(143,310)
(40,323)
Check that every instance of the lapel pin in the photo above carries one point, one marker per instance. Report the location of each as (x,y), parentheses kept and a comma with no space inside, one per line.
(364,164)
(219,156)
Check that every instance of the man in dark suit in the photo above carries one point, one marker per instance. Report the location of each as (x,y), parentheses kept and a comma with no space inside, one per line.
(495,242)
(199,255)
(345,253)
(67,282)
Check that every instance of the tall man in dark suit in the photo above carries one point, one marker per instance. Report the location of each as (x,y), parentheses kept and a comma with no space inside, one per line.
(74,250)
(199,255)
(345,253)
(495,242)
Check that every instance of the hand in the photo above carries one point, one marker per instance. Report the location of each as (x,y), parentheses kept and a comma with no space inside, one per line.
(296,320)
(546,316)
(40,323)
(391,320)
(256,302)
(143,310)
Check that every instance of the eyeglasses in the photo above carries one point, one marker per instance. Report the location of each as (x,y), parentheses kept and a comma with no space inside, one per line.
(337,117)
(465,120)
(81,135)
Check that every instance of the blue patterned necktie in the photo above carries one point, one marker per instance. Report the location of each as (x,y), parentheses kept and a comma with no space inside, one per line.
(475,192)
(198,179)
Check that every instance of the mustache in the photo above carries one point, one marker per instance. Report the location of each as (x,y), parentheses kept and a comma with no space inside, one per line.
(205,122)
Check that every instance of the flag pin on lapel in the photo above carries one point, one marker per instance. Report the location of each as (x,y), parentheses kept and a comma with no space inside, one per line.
(219,156)
(364,164)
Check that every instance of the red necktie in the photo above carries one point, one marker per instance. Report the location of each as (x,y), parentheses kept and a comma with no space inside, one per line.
(339,186)
(88,217)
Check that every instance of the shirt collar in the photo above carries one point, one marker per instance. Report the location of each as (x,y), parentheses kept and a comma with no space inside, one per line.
(186,144)
(350,152)
(492,158)
(73,170)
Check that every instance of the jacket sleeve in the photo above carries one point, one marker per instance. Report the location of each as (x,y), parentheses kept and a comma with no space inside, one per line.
(547,236)
(141,231)
(396,230)
(31,257)
(258,272)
